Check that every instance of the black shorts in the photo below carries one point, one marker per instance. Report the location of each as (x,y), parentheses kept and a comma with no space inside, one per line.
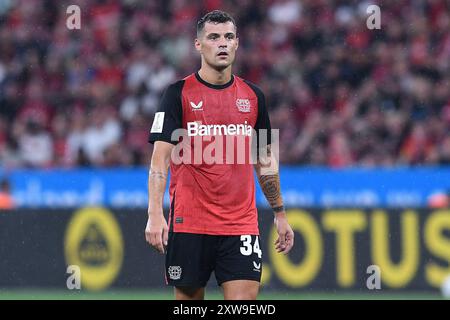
(191,258)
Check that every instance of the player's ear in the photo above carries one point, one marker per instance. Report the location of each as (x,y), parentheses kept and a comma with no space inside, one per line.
(237,43)
(198,45)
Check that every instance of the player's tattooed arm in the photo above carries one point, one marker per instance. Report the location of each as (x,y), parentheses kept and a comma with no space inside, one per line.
(269,179)
(157,176)
(270,185)
(156,231)
(157,180)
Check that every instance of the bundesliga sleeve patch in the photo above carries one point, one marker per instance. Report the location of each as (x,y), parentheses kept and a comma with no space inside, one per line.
(158,123)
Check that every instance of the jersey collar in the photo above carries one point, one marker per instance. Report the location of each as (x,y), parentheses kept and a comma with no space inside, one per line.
(215,86)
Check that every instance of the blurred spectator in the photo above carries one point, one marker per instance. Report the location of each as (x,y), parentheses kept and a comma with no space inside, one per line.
(35,145)
(439,200)
(6,199)
(341,95)
(102,132)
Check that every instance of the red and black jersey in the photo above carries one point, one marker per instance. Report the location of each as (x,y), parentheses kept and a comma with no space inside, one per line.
(212,198)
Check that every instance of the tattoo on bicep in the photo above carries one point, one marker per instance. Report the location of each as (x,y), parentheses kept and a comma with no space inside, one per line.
(270,185)
(269,150)
(264,157)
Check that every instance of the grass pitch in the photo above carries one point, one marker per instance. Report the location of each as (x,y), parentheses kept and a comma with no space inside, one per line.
(166,294)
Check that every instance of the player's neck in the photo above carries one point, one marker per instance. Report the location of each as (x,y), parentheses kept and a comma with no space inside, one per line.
(215,77)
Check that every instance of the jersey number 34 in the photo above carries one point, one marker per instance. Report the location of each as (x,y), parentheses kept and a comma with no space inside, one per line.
(247,248)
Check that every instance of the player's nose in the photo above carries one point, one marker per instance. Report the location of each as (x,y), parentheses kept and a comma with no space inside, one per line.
(222,42)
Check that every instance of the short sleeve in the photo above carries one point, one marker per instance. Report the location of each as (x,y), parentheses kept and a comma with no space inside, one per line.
(169,116)
(263,120)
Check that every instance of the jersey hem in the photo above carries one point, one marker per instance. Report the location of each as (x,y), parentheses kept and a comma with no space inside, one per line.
(220,233)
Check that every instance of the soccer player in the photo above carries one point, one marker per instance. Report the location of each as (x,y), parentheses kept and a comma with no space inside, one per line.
(213,222)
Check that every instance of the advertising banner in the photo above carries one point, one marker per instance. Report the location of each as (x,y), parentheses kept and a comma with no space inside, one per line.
(335,249)
(301,187)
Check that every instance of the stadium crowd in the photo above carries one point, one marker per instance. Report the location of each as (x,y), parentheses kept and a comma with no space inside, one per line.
(340,93)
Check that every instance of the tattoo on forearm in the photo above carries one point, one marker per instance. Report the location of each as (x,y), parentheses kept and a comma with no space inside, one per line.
(158,175)
(156,185)
(270,185)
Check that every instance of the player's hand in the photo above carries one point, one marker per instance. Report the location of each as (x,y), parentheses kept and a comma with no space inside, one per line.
(157,232)
(285,240)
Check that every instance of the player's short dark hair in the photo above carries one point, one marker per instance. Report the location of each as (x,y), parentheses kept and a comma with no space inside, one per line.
(216,16)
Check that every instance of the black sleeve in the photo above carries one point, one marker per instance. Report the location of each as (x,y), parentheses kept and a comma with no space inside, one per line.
(169,116)
(263,121)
